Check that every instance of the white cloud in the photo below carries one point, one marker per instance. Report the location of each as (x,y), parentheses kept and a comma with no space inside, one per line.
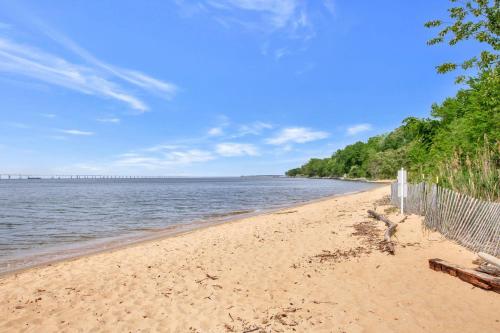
(170,158)
(113,120)
(296,135)
(146,82)
(277,13)
(17,125)
(48,115)
(126,155)
(34,63)
(163,147)
(135,77)
(355,129)
(284,27)
(140,161)
(189,156)
(236,149)
(215,131)
(330,6)
(255,128)
(260,15)
(280,53)
(76,132)
(58,137)
(189,8)
(88,167)
(95,78)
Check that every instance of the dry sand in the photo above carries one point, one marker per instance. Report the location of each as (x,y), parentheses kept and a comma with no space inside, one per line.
(300,269)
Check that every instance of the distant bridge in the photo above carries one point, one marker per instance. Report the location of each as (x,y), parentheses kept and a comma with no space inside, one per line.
(13,176)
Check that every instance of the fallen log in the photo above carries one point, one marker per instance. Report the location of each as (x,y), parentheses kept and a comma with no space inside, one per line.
(488,269)
(478,279)
(391,229)
(489,258)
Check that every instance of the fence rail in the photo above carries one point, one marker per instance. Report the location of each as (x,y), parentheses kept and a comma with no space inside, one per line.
(470,222)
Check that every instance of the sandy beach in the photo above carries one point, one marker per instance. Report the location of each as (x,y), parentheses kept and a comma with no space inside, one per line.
(317,267)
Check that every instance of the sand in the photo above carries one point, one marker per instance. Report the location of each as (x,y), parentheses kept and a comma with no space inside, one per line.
(300,269)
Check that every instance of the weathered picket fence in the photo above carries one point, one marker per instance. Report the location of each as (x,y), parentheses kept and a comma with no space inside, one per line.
(470,222)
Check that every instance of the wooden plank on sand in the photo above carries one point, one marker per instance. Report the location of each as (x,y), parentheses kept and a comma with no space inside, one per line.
(478,279)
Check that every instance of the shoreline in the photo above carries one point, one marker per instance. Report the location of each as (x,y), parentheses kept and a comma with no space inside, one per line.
(111,244)
(361,180)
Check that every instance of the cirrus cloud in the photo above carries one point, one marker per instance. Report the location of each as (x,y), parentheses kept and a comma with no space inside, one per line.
(229,149)
(215,131)
(76,132)
(113,120)
(296,135)
(90,77)
(355,129)
(177,157)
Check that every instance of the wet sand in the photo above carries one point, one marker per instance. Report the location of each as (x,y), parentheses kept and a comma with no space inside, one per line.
(317,267)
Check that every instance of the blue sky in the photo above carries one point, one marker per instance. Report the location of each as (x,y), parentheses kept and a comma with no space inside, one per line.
(208,87)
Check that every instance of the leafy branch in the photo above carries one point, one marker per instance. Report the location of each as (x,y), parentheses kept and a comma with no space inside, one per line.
(477,20)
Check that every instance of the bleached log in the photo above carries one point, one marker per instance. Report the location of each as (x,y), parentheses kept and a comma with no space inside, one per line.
(489,258)
(488,269)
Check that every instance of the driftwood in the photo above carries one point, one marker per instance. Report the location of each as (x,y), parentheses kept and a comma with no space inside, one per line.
(391,229)
(478,279)
(488,269)
(489,258)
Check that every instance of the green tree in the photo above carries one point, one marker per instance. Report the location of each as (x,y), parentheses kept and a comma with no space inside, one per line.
(293,172)
(477,20)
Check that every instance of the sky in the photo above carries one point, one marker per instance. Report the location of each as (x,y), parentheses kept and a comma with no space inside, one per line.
(209,87)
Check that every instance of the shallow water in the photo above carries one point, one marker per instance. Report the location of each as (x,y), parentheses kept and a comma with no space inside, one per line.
(40,217)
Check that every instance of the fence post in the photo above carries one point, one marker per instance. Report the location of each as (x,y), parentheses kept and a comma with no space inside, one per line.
(402,187)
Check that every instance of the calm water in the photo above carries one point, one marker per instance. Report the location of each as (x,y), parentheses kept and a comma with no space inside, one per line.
(39,218)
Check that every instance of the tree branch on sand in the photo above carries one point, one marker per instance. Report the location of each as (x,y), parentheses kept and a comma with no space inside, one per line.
(391,229)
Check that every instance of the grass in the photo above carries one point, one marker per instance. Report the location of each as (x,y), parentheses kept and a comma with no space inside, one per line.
(476,175)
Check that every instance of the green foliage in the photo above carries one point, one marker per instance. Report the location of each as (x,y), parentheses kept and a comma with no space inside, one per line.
(477,175)
(380,157)
(477,20)
(384,164)
(293,172)
(428,146)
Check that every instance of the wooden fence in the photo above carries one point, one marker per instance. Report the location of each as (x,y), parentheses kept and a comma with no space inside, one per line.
(470,222)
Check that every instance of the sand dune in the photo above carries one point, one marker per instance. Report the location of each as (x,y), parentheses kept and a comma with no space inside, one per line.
(312,268)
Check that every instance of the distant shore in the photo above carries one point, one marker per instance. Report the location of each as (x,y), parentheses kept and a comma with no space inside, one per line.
(366,180)
(308,268)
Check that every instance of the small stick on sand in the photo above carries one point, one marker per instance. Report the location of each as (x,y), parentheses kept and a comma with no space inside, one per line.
(251,330)
(208,276)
